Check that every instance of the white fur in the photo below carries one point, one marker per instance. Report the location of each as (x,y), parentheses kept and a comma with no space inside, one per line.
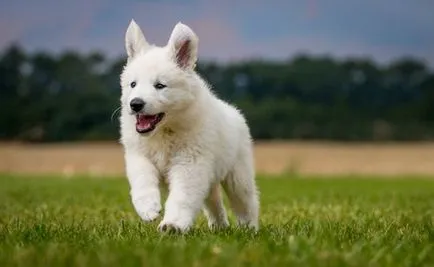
(201,142)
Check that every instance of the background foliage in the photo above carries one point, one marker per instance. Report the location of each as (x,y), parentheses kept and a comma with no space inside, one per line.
(71,96)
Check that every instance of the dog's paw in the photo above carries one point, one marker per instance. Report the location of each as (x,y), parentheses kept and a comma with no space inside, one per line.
(147,208)
(215,226)
(172,228)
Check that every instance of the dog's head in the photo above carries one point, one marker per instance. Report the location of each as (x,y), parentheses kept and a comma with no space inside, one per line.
(156,81)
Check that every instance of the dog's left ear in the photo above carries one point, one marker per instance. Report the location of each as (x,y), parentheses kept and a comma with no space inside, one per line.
(135,40)
(183,44)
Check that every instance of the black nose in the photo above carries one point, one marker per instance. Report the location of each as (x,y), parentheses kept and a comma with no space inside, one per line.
(137,104)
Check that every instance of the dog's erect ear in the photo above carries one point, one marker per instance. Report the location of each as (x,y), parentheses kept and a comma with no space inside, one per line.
(135,40)
(183,45)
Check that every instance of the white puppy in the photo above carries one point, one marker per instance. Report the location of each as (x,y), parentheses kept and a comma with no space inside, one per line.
(174,129)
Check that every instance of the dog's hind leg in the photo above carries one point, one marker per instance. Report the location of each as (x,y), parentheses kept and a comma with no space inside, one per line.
(241,189)
(214,209)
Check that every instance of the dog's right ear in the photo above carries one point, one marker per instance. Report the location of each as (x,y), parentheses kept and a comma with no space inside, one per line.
(183,44)
(135,40)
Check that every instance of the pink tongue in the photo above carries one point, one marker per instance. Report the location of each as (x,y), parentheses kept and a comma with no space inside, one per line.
(145,121)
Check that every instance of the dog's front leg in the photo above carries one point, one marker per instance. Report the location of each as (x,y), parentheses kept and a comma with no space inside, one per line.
(189,185)
(144,181)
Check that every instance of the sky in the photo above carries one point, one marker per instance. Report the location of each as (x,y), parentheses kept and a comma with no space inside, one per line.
(382,30)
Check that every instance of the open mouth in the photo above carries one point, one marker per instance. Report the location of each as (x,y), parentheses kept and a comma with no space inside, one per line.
(147,123)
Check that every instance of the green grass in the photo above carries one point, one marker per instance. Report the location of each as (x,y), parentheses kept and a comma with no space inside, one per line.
(304,222)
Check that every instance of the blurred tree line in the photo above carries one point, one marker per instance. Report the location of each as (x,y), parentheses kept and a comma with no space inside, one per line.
(71,96)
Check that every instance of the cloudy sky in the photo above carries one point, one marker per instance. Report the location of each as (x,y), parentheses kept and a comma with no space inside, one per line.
(229,30)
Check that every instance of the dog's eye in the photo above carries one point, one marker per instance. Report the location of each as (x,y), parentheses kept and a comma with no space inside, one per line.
(133,84)
(159,86)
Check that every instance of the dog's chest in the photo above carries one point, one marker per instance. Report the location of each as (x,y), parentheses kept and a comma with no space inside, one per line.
(160,154)
(161,160)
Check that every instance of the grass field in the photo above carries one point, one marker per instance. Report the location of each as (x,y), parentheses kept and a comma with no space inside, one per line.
(304,222)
